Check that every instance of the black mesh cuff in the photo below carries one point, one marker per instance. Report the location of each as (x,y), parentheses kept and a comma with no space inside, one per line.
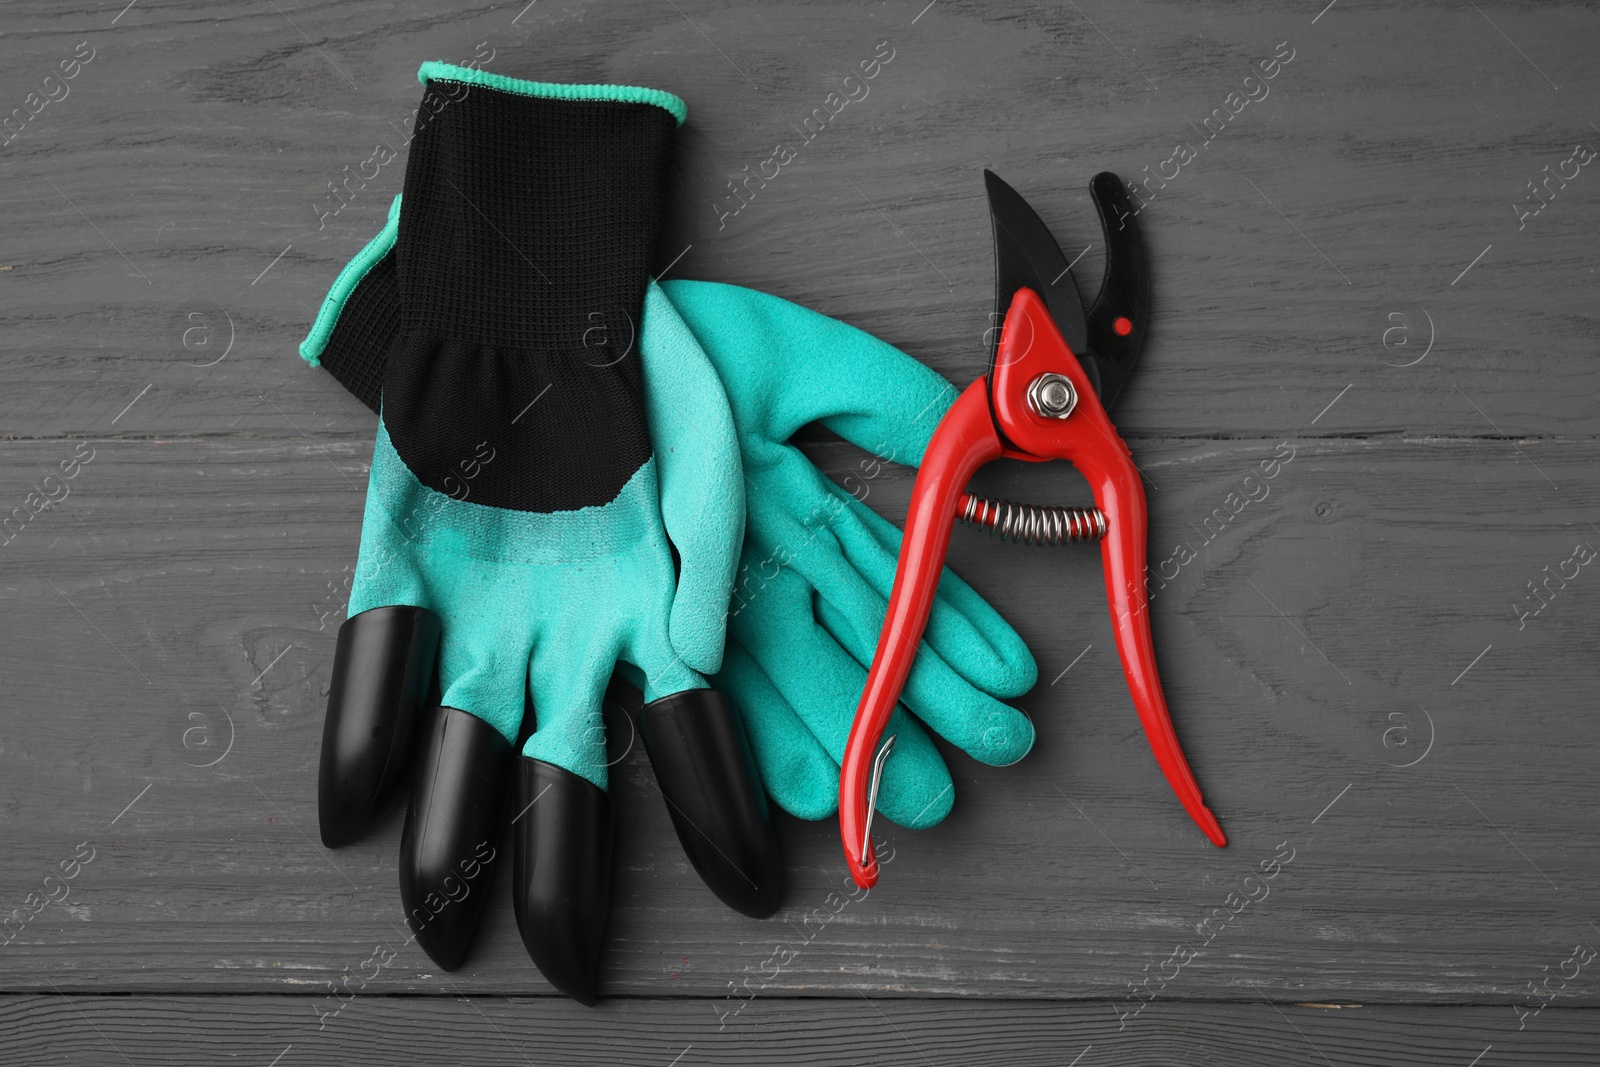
(357,352)
(529,221)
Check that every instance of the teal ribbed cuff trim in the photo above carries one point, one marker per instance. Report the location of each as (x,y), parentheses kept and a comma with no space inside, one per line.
(627,94)
(317,340)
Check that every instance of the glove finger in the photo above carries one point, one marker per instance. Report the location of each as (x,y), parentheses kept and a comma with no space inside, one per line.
(561,875)
(842,542)
(823,684)
(459,793)
(975,722)
(447,851)
(568,675)
(377,699)
(852,612)
(411,553)
(707,776)
(483,655)
(798,773)
(383,669)
(964,627)
(702,482)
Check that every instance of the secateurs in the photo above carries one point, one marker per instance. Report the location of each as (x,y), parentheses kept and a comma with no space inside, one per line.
(1053,371)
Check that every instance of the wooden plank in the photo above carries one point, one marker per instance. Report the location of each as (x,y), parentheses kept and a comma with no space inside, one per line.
(199,576)
(1362,669)
(190,165)
(175,1030)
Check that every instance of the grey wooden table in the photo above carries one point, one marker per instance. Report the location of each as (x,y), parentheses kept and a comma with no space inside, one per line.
(1379,263)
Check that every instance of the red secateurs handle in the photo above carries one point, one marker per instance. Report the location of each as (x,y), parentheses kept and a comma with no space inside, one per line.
(963,441)
(1042,401)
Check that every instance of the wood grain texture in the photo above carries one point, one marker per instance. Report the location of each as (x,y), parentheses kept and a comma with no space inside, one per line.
(73,1029)
(199,576)
(1354,661)
(200,141)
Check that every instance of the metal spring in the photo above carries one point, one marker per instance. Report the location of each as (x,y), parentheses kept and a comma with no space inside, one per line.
(1031,524)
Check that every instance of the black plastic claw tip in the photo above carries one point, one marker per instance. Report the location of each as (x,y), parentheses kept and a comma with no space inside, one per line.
(708,776)
(561,874)
(382,668)
(449,847)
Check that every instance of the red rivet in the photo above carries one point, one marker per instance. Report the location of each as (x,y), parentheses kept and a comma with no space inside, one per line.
(1123,326)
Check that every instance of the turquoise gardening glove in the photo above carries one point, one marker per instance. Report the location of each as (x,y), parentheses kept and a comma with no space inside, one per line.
(555,494)
(817,564)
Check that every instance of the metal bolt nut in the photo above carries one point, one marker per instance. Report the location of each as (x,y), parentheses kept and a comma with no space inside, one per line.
(1052,396)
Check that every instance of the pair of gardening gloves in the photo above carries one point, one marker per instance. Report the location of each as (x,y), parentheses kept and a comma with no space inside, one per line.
(579,469)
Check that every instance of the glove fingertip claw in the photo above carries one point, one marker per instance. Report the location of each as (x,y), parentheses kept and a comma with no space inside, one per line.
(561,877)
(447,850)
(376,708)
(707,775)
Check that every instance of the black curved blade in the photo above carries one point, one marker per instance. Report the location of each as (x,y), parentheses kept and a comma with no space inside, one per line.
(1027,256)
(1124,297)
